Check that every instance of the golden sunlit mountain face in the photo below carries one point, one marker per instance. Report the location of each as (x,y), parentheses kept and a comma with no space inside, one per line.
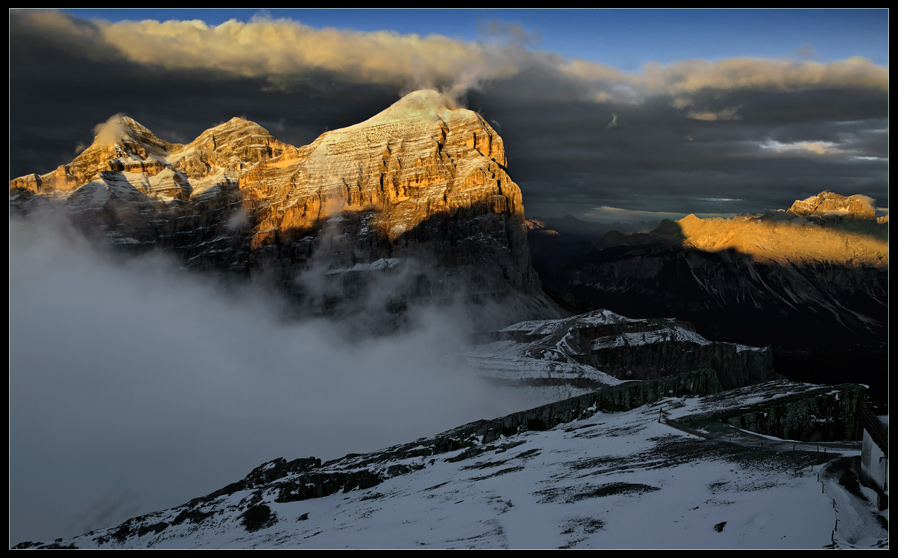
(786,238)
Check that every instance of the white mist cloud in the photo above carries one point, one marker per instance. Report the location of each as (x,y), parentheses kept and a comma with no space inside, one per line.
(135,386)
(110,131)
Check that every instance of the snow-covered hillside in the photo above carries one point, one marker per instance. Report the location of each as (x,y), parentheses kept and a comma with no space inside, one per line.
(631,479)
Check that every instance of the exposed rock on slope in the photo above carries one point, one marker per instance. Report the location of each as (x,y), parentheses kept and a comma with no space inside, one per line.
(828,204)
(421,182)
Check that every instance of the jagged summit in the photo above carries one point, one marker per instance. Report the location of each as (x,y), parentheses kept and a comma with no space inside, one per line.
(121,129)
(829,204)
(423,120)
(425,104)
(420,179)
(234,129)
(227,149)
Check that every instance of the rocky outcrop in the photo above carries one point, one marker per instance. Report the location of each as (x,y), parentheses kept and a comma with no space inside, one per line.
(420,190)
(827,204)
(657,352)
(820,415)
(584,347)
(600,348)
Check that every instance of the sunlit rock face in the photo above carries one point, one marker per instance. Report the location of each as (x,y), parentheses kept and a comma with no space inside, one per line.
(419,174)
(831,204)
(416,160)
(785,238)
(420,191)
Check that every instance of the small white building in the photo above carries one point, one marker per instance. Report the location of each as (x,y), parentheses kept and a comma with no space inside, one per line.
(874,471)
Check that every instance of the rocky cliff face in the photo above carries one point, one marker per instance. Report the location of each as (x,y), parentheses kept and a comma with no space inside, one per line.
(829,204)
(419,192)
(787,239)
(816,415)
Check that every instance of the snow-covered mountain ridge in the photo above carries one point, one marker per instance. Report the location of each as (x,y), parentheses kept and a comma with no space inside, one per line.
(601,471)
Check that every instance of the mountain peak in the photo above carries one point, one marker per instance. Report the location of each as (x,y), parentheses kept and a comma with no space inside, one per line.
(424,99)
(122,130)
(426,104)
(829,204)
(235,123)
(421,180)
(234,130)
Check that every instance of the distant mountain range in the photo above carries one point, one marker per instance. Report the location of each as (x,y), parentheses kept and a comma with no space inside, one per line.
(811,281)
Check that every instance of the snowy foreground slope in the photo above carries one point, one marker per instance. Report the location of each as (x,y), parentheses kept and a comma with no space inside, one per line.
(629,479)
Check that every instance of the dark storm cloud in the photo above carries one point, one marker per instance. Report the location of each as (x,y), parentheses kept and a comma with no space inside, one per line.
(64,80)
(660,156)
(683,134)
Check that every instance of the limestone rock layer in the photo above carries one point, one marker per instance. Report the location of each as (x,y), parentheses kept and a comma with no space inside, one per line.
(423,180)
